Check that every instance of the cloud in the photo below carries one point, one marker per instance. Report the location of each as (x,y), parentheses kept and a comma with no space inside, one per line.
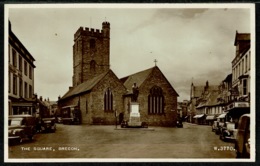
(161,15)
(187,13)
(188,43)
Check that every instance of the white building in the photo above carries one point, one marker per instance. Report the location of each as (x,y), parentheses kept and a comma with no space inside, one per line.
(240,77)
(20,77)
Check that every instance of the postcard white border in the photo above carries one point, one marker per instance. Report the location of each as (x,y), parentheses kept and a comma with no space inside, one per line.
(250,6)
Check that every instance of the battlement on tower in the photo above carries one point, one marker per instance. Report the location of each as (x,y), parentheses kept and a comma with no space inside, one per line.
(93,32)
(90,53)
(106,24)
(88,32)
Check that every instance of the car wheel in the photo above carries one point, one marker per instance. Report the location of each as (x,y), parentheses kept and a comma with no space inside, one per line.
(221,136)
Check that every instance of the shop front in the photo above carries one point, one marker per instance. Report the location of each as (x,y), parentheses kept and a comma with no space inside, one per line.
(200,119)
(236,109)
(210,119)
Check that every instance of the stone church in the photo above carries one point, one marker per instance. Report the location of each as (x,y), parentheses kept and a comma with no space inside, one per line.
(101,96)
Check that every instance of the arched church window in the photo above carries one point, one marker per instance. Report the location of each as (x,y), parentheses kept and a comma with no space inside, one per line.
(108,100)
(156,101)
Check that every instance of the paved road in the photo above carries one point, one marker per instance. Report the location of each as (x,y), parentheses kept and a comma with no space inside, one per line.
(84,141)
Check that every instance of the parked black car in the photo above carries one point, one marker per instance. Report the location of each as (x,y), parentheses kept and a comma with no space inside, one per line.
(71,114)
(179,124)
(228,131)
(221,119)
(59,119)
(242,143)
(21,127)
(48,125)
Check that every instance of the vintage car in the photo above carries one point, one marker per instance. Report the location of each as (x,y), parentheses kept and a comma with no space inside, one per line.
(228,131)
(179,124)
(59,119)
(221,119)
(48,125)
(71,114)
(242,142)
(21,127)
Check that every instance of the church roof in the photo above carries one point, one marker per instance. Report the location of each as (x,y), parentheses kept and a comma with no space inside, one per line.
(128,82)
(139,79)
(85,86)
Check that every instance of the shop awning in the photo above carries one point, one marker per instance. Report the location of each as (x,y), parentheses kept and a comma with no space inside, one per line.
(199,116)
(222,116)
(210,117)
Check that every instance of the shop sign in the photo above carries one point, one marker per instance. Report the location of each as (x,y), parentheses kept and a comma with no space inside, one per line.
(241,104)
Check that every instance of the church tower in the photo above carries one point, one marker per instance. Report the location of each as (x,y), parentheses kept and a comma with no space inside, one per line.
(91,53)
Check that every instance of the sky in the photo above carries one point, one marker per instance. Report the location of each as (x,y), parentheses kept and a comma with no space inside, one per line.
(191,43)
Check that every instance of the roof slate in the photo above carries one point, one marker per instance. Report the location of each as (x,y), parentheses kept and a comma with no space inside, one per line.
(85,86)
(198,90)
(241,36)
(137,78)
(210,100)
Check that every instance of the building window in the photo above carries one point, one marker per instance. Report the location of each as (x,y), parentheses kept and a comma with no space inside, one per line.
(239,71)
(9,54)
(30,91)
(156,101)
(242,66)
(25,68)
(249,60)
(246,64)
(21,87)
(20,63)
(108,100)
(14,84)
(30,72)
(14,58)
(92,43)
(237,74)
(9,81)
(245,87)
(207,110)
(25,90)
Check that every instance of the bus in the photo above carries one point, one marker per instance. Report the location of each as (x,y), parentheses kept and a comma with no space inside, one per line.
(71,114)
